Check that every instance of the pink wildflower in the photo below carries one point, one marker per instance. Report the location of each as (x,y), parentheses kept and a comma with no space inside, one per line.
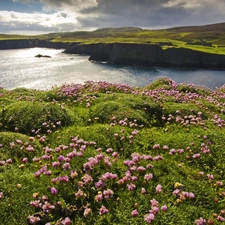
(67,221)
(140,169)
(200,221)
(159,188)
(149,217)
(100,184)
(103,210)
(55,164)
(154,202)
(108,193)
(87,179)
(210,176)
(164,208)
(154,210)
(134,213)
(131,187)
(98,197)
(37,174)
(143,191)
(54,191)
(148,176)
(156,146)
(33,219)
(191,195)
(66,166)
(196,156)
(35,203)
(87,212)
(80,194)
(24,160)
(220,219)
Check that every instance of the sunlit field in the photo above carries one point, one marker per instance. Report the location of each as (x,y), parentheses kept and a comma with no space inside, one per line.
(102,153)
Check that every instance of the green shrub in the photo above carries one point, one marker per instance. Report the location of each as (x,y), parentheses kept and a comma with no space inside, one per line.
(28,116)
(143,111)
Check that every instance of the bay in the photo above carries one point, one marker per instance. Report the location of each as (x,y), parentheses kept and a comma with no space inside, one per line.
(20,68)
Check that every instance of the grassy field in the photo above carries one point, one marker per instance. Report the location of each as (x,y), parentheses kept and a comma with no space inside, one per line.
(102,153)
(208,38)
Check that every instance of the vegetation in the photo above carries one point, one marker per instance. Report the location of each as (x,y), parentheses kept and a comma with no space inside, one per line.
(208,38)
(102,153)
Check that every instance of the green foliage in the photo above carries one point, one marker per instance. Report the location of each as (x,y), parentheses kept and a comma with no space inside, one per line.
(172,133)
(193,89)
(28,116)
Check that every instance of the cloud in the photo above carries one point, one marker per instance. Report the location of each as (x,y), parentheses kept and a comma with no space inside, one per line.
(56,22)
(142,13)
(70,15)
(190,4)
(70,5)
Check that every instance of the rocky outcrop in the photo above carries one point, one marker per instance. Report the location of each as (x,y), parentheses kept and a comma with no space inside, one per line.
(43,56)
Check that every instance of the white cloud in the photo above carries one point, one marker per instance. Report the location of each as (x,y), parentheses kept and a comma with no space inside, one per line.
(58,21)
(183,4)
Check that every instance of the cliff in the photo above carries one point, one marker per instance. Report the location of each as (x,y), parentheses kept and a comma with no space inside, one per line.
(31,43)
(130,54)
(154,55)
(148,55)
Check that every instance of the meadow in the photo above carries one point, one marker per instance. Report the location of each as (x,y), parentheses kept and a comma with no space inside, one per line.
(102,153)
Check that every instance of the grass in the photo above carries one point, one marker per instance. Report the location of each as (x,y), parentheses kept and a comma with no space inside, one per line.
(103,153)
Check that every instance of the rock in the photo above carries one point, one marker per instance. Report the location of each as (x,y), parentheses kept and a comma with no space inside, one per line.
(43,56)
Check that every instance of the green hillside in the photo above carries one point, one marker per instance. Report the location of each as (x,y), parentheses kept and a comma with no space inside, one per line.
(208,38)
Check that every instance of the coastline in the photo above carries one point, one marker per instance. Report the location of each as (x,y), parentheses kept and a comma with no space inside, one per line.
(128,54)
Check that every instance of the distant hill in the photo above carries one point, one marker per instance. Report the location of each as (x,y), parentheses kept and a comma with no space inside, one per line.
(218,27)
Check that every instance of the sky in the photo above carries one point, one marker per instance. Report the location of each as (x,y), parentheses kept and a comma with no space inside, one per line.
(49,16)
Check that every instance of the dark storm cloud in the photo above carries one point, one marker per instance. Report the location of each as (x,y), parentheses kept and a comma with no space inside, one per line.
(142,13)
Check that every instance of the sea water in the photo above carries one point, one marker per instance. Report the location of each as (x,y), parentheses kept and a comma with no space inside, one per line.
(20,68)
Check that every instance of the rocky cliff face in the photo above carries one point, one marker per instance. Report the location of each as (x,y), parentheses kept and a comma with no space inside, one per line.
(31,43)
(154,55)
(83,49)
(16,44)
